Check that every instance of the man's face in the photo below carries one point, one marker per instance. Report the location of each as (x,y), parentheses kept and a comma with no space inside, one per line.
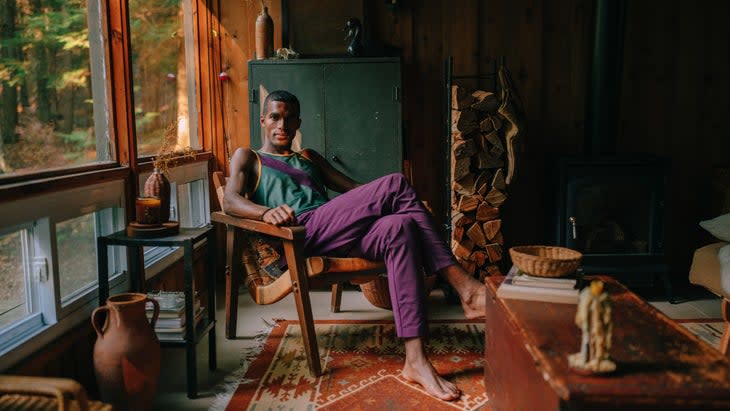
(280,124)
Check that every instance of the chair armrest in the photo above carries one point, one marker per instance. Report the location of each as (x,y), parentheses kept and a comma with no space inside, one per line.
(60,388)
(286,233)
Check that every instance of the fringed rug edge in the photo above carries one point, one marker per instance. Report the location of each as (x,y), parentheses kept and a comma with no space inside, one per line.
(230,383)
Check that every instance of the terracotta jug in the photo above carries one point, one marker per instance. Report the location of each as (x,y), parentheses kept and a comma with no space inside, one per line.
(157,185)
(126,352)
(264,34)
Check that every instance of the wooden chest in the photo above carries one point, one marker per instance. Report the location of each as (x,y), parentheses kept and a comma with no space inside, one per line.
(661,365)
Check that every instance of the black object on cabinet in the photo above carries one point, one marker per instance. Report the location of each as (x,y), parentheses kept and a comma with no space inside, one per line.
(350,109)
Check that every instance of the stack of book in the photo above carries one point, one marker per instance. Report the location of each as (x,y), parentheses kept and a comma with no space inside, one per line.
(520,286)
(171,322)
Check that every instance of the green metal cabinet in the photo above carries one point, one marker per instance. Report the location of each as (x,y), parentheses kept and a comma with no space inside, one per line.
(350,109)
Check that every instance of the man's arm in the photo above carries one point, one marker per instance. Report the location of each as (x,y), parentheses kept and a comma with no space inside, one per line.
(333,178)
(242,169)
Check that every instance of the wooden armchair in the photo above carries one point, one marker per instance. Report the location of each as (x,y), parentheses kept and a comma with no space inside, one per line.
(302,273)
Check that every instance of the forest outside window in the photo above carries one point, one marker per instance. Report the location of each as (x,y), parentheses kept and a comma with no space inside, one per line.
(165,96)
(52,104)
(163,70)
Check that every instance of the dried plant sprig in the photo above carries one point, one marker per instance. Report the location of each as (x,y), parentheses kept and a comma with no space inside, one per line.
(167,156)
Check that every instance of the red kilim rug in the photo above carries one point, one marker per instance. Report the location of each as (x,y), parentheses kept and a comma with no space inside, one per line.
(362,362)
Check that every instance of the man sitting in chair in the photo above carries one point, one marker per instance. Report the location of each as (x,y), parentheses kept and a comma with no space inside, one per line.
(380,220)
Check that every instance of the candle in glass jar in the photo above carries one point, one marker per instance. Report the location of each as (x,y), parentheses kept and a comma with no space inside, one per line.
(148,210)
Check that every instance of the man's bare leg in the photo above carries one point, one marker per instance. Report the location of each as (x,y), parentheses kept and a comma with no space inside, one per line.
(473,293)
(418,369)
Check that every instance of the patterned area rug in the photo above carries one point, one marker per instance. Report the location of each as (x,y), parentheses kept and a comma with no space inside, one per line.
(362,362)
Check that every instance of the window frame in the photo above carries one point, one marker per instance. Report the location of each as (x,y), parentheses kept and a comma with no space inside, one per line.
(123,167)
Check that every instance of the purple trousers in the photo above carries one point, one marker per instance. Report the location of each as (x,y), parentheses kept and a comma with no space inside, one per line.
(383,220)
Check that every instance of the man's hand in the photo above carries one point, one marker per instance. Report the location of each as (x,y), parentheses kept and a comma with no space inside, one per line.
(281,215)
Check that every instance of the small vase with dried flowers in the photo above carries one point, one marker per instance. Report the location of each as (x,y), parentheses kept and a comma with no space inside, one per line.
(157,184)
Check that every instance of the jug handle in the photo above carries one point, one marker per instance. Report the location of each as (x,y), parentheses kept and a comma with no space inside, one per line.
(95,320)
(156,312)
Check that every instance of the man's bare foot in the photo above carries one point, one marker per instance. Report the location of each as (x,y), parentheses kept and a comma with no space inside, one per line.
(475,303)
(418,369)
(425,375)
(472,292)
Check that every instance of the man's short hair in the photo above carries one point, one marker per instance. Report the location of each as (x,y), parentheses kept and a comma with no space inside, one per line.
(283,96)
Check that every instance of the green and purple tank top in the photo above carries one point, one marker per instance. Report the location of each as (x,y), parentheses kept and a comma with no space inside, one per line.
(288,179)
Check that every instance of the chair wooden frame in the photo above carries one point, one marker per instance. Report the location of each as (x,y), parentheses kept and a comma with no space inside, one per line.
(304,273)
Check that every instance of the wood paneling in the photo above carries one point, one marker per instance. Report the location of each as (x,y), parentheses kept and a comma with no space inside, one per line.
(673,102)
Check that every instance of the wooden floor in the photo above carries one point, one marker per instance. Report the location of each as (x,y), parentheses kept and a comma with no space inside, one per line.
(253,318)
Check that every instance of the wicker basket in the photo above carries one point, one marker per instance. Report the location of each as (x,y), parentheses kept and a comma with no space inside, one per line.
(545,261)
(377,293)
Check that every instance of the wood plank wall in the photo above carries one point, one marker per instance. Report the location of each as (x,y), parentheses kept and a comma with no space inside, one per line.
(673,104)
(675,100)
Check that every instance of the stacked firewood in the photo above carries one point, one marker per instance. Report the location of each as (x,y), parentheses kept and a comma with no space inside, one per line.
(483,128)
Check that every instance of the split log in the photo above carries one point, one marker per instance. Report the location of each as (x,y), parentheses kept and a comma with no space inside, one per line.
(510,110)
(464,148)
(479,257)
(461,98)
(496,122)
(494,142)
(498,239)
(476,235)
(498,180)
(458,135)
(464,121)
(491,228)
(486,125)
(485,101)
(468,203)
(465,186)
(494,252)
(483,178)
(462,248)
(492,269)
(469,266)
(461,219)
(485,212)
(486,160)
(496,197)
(457,234)
(482,190)
(460,168)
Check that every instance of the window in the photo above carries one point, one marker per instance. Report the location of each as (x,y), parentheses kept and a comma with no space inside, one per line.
(162,57)
(49,93)
(50,262)
(58,95)
(15,299)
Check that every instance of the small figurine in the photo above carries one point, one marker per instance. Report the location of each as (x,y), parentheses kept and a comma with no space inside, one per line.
(594,319)
(353,27)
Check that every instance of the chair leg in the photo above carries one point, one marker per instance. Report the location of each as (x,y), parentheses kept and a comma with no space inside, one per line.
(300,287)
(234,267)
(336,297)
(725,339)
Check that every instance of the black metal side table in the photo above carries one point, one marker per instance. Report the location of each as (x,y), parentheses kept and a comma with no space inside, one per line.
(186,239)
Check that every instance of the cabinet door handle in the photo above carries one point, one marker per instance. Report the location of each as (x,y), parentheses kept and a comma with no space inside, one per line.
(336,159)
